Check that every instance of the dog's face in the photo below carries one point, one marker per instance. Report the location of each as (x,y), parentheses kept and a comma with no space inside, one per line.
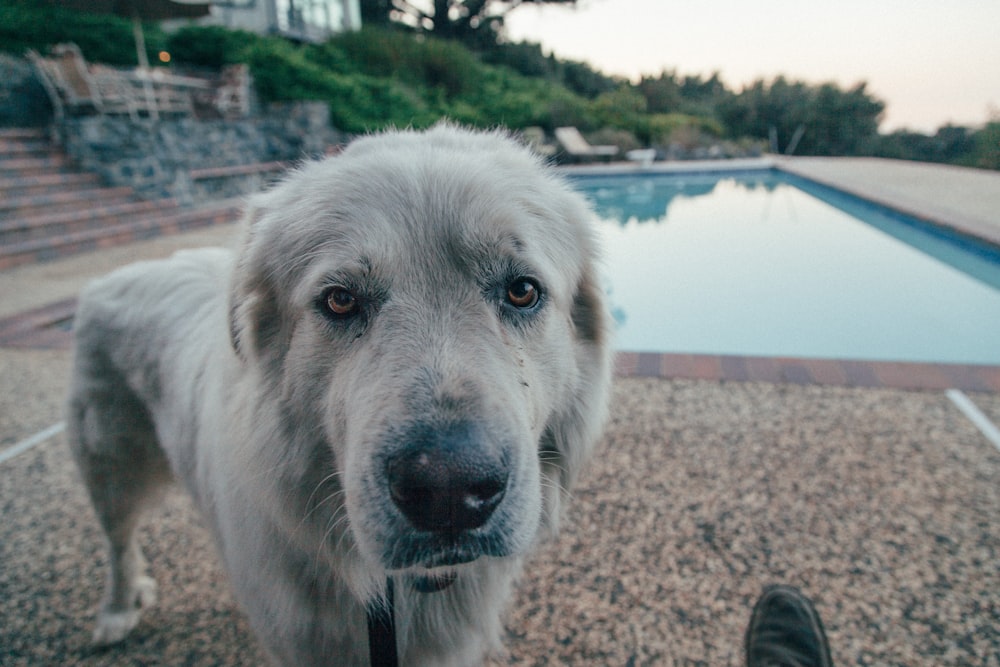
(424,305)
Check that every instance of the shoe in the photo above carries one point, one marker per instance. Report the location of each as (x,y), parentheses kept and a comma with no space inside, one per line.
(785,631)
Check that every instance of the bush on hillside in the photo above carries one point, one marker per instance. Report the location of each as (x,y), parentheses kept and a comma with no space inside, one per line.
(986,153)
(445,79)
(622,108)
(527,59)
(210,46)
(107,39)
(283,72)
(433,62)
(662,127)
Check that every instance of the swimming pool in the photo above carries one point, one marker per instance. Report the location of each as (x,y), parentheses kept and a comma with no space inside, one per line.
(762,263)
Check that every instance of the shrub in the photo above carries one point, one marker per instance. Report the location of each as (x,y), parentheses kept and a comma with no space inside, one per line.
(358,103)
(377,52)
(432,62)
(622,108)
(660,127)
(332,57)
(986,153)
(210,46)
(101,38)
(525,58)
(583,80)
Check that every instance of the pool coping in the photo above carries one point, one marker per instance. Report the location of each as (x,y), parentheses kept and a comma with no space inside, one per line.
(809,371)
(795,370)
(948,218)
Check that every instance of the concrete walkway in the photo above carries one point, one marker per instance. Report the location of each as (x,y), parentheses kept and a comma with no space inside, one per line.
(881,503)
(965,199)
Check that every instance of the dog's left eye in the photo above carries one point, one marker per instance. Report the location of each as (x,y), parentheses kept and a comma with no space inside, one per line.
(341,302)
(523,293)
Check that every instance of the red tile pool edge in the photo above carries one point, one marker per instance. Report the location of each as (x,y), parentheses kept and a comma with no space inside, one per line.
(847,373)
(37,329)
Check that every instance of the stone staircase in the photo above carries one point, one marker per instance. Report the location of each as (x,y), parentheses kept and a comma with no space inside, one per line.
(49,208)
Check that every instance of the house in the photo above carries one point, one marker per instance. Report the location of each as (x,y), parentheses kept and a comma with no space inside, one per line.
(301,20)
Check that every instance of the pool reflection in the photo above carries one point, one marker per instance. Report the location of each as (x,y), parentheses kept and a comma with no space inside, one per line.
(752,264)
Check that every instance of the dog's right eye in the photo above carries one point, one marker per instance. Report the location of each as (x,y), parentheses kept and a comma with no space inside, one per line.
(341,302)
(523,293)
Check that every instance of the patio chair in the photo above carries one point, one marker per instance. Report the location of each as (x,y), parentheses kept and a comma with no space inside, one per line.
(574,145)
(64,97)
(73,88)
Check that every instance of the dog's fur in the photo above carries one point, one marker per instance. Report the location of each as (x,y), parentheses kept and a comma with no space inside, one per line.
(304,432)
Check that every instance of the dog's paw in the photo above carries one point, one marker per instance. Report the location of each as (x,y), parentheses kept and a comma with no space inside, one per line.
(145,592)
(114,626)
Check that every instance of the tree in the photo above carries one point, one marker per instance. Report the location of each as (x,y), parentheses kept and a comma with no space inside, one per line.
(620,108)
(986,153)
(815,120)
(376,12)
(474,22)
(663,94)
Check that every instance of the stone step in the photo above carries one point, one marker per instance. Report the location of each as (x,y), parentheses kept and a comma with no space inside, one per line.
(24,167)
(23,133)
(57,201)
(22,143)
(22,186)
(26,148)
(49,209)
(142,227)
(28,228)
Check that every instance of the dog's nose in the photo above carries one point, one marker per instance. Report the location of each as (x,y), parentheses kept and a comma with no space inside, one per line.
(447,483)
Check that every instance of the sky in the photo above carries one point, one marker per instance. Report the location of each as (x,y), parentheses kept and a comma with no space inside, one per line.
(932,62)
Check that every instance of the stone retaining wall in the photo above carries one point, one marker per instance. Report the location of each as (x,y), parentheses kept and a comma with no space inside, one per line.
(197,160)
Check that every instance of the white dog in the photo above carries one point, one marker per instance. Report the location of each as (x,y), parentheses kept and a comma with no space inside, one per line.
(397,378)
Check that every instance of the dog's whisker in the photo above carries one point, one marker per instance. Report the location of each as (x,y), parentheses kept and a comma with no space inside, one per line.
(334,500)
(338,518)
(330,497)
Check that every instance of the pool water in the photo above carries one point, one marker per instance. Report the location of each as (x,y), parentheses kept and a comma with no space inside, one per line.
(766,264)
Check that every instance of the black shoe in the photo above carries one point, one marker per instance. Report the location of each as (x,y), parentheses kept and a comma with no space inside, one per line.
(785,631)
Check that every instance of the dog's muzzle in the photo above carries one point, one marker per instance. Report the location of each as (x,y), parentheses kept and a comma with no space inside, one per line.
(447,481)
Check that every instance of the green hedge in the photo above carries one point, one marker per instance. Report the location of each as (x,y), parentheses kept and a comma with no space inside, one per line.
(210,46)
(358,103)
(107,39)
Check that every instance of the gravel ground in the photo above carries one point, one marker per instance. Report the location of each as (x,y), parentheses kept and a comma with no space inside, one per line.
(881,504)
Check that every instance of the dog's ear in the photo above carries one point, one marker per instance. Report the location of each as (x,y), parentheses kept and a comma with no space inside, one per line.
(255,319)
(574,431)
(240,289)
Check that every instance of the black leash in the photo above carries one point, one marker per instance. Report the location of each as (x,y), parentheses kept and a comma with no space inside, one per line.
(382,630)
